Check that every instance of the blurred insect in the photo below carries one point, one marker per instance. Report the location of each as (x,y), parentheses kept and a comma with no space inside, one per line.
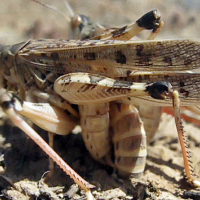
(81,26)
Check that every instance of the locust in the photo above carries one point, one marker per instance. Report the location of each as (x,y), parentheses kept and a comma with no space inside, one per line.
(100,75)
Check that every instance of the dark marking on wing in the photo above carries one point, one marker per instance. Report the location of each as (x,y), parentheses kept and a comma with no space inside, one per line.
(143,61)
(139,49)
(120,58)
(168,60)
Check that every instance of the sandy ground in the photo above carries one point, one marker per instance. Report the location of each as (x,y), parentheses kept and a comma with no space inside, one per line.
(24,163)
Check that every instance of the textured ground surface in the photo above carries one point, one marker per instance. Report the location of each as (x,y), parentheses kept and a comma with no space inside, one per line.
(25,163)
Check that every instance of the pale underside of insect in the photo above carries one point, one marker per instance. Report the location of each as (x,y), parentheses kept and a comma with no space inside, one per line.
(64,67)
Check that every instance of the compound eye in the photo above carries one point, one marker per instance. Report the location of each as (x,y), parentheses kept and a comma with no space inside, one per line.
(76,21)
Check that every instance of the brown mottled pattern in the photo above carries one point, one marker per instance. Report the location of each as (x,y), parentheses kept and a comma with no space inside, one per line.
(116,57)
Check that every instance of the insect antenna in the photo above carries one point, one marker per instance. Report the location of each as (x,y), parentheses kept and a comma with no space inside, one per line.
(57,10)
